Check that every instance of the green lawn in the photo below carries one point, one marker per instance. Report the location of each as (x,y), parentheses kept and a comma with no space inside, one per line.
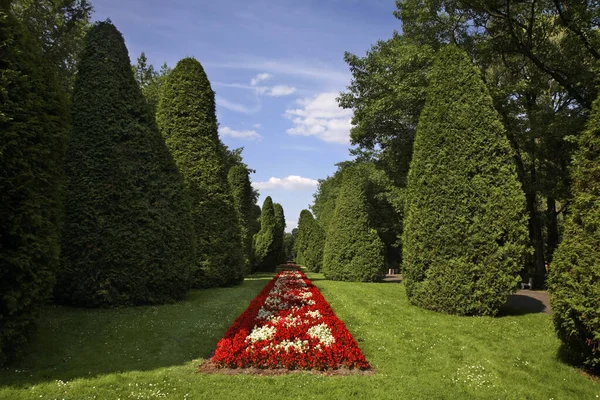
(152,352)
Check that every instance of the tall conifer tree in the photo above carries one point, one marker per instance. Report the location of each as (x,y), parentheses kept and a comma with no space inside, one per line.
(265,257)
(127,237)
(574,282)
(465,230)
(353,250)
(34,124)
(279,232)
(313,255)
(243,200)
(187,120)
(301,242)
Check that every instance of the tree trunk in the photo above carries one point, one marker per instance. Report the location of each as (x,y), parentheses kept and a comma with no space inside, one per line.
(552,216)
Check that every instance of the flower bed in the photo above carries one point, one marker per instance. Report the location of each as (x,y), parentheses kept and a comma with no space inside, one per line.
(289,325)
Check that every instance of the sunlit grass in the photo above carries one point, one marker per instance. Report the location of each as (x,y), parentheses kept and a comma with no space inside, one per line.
(152,352)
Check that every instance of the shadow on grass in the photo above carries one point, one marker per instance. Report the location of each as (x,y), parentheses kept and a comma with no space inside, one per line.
(520,304)
(73,343)
(568,357)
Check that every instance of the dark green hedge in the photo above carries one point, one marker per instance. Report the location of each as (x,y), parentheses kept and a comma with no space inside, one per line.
(574,280)
(265,256)
(187,120)
(353,250)
(243,200)
(313,254)
(34,126)
(465,231)
(279,232)
(304,224)
(127,236)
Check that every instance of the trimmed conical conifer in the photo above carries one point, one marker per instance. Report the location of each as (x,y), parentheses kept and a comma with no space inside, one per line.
(187,120)
(34,125)
(265,257)
(313,255)
(127,237)
(465,229)
(279,232)
(304,224)
(353,250)
(243,200)
(574,281)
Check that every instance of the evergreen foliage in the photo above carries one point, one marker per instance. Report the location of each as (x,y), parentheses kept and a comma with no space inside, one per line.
(279,233)
(301,241)
(385,203)
(574,281)
(34,124)
(353,250)
(288,246)
(187,120)
(265,256)
(465,231)
(243,200)
(127,236)
(313,255)
(326,196)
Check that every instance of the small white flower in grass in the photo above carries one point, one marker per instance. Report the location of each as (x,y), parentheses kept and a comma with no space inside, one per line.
(323,333)
(261,333)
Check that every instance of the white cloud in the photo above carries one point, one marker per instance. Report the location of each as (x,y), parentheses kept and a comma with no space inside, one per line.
(250,135)
(273,91)
(256,126)
(321,117)
(312,71)
(290,224)
(260,78)
(292,182)
(281,90)
(236,106)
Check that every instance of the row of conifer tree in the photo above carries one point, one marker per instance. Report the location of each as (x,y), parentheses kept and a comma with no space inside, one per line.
(105,203)
(464,228)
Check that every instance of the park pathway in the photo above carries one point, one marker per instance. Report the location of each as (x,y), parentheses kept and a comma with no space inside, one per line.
(522,302)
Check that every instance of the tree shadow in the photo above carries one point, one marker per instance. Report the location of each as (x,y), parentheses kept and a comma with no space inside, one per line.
(75,343)
(521,304)
(574,360)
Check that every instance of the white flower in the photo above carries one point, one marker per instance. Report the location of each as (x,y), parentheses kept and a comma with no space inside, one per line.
(323,333)
(264,314)
(297,344)
(305,295)
(261,333)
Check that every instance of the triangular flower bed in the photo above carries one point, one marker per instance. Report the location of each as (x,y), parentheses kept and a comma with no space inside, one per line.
(289,325)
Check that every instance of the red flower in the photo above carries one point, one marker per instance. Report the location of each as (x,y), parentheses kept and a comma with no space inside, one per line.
(289,324)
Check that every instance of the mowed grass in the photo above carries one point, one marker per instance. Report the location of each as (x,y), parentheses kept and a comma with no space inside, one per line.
(153,352)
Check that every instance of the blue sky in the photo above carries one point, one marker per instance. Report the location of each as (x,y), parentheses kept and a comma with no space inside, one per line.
(276,67)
